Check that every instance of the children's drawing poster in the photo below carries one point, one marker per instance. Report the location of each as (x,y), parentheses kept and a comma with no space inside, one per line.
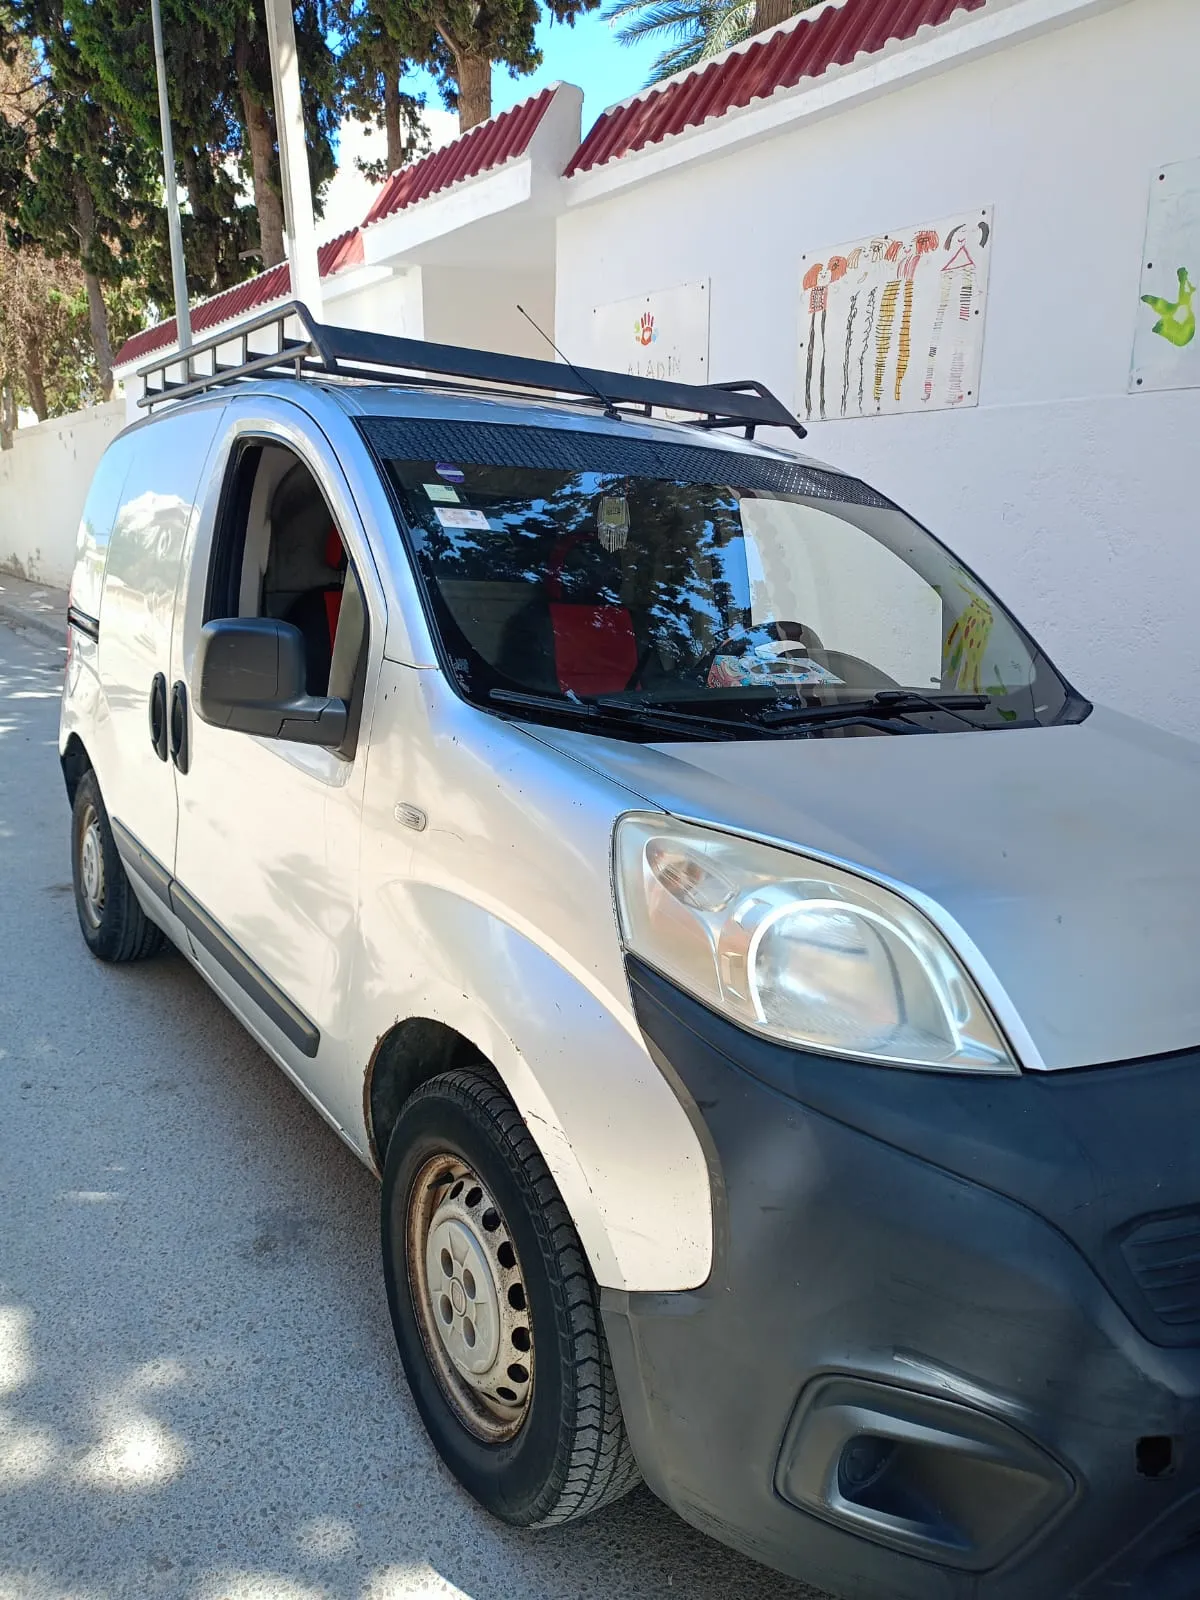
(1166,351)
(895,322)
(658,335)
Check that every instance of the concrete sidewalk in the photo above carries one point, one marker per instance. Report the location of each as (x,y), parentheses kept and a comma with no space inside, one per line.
(34,606)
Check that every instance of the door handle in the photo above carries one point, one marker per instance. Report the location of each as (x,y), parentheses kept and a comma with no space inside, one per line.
(179,725)
(158,716)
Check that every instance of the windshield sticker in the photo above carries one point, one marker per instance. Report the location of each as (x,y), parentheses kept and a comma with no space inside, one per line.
(460,517)
(448,473)
(768,664)
(441,492)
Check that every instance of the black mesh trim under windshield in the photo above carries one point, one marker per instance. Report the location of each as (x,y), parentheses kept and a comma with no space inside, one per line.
(492,444)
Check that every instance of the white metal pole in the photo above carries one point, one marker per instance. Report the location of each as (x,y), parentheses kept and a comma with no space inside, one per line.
(183,317)
(293,156)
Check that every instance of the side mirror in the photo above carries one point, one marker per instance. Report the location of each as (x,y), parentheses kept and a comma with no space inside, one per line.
(250,676)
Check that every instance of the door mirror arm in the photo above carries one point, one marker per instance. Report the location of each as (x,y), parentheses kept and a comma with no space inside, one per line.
(250,676)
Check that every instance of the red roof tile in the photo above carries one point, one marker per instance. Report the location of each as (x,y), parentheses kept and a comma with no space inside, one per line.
(805,47)
(489,145)
(274,284)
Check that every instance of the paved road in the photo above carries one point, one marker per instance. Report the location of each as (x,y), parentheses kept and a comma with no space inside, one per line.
(199,1393)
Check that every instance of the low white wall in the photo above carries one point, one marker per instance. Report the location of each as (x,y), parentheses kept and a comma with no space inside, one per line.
(1075,498)
(44,480)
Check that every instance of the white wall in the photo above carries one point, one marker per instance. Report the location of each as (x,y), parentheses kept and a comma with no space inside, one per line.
(385,305)
(1076,499)
(478,307)
(44,479)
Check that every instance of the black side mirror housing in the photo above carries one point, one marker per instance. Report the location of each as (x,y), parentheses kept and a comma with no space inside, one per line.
(250,676)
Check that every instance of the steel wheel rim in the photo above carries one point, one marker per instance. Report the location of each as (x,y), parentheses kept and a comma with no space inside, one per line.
(468,1293)
(91,867)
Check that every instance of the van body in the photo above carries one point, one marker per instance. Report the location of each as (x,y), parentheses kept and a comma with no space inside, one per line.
(764,984)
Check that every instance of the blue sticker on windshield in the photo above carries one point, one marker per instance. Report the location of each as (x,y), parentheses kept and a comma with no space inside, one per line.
(448,473)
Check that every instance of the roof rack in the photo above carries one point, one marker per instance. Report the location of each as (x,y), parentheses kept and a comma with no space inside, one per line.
(346,353)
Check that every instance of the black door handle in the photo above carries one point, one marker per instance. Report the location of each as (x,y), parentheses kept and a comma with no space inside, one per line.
(158,716)
(179,725)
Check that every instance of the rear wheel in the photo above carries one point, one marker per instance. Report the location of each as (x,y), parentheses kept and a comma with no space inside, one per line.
(495,1311)
(113,923)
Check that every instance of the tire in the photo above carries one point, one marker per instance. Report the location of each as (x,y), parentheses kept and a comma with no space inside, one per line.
(114,926)
(561,1452)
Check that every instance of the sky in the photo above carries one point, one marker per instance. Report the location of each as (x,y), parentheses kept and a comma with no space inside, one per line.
(587,54)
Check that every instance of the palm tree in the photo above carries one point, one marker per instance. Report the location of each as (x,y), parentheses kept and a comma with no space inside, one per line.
(693,31)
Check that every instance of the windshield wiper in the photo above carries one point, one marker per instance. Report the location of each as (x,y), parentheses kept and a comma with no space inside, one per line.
(885,703)
(604,709)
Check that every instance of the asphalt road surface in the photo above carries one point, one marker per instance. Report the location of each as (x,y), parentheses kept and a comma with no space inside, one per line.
(199,1393)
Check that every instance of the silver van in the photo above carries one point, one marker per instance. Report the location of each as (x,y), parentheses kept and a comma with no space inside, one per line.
(765,986)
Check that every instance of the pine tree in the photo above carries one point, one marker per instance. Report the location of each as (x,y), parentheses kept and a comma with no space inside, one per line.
(373,66)
(459,40)
(222,114)
(220,229)
(73,183)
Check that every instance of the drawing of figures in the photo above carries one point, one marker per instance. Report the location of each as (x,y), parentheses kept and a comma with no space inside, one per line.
(863,262)
(966,643)
(956,290)
(905,259)
(817,281)
(869,310)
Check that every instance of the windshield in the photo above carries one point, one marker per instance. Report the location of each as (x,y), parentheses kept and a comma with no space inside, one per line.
(650,583)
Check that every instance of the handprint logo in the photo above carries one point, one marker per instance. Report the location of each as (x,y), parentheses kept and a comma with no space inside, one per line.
(644,331)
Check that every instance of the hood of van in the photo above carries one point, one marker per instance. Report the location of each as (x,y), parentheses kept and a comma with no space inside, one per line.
(1069,856)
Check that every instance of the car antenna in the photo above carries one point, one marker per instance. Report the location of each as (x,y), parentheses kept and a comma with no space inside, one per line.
(610,410)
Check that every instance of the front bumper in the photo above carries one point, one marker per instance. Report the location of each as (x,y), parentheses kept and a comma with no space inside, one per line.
(921,1366)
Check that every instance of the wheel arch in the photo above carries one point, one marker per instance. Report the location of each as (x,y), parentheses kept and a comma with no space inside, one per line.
(409,1054)
(75,763)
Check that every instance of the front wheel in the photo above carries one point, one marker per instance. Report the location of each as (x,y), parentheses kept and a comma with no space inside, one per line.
(495,1311)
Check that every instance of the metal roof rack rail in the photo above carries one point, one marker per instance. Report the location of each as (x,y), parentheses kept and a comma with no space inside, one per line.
(346,353)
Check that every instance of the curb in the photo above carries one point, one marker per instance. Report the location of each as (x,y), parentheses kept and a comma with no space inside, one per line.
(49,626)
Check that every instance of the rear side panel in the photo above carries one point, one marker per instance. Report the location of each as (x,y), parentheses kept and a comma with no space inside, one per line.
(81,692)
(136,618)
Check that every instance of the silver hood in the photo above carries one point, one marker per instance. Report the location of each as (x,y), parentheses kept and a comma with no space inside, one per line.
(1068,857)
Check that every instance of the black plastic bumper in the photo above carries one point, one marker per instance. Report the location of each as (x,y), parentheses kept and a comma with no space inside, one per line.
(923,1365)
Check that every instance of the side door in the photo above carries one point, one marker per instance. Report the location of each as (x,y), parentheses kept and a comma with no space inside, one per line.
(267,860)
(130,743)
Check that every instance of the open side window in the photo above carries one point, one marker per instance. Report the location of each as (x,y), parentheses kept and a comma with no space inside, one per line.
(278,552)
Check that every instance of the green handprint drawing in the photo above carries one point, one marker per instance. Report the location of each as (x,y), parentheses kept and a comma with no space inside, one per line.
(1176,319)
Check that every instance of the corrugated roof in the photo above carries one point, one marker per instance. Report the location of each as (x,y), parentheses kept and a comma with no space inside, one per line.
(803,47)
(274,284)
(488,145)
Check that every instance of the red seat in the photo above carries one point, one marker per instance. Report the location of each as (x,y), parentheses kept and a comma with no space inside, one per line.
(595,648)
(335,555)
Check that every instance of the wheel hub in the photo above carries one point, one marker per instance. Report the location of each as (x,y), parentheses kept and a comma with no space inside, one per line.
(91,867)
(469,1296)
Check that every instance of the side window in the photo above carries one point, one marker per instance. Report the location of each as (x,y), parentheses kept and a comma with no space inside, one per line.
(278,552)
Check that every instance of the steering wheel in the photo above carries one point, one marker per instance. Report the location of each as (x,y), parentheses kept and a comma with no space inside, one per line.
(792,639)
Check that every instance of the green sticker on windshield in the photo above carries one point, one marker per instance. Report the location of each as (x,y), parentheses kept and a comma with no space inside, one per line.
(441,493)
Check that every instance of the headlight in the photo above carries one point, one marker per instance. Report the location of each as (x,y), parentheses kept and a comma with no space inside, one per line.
(798,950)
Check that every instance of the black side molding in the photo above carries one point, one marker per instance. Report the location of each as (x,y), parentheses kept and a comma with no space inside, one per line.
(148,868)
(208,933)
(83,622)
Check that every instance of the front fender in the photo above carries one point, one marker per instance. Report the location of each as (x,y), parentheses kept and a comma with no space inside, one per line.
(615,1137)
